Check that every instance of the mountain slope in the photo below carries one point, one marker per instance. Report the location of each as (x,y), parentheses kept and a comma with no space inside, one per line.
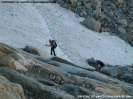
(45,77)
(34,24)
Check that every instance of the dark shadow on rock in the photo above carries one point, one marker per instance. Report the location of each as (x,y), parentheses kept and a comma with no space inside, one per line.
(43,59)
(76,90)
(31,50)
(35,51)
(62,61)
(46,82)
(2,64)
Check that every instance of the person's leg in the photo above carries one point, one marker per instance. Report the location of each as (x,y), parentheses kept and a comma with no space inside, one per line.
(98,68)
(52,49)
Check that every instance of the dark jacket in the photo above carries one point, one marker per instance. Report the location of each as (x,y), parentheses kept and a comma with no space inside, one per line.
(100,63)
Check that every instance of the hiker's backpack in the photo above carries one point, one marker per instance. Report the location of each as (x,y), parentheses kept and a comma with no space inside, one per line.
(55,43)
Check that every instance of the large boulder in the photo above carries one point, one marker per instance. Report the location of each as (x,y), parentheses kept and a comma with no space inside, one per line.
(96,4)
(72,1)
(11,63)
(113,72)
(121,30)
(11,58)
(96,13)
(12,52)
(123,73)
(120,2)
(88,5)
(123,22)
(127,77)
(35,51)
(92,24)
(10,90)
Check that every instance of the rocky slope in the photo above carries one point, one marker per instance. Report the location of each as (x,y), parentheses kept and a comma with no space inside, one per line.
(35,77)
(114,16)
(29,73)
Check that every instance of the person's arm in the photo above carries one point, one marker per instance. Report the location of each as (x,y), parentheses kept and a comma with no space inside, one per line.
(47,45)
